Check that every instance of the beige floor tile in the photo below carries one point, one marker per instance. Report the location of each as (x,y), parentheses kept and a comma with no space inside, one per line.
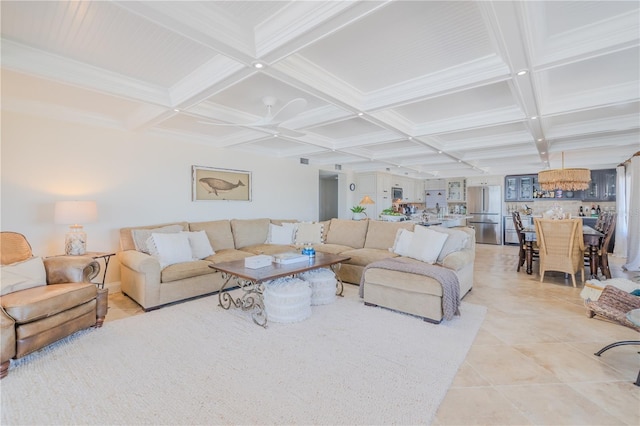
(502,365)
(556,405)
(621,400)
(568,363)
(624,359)
(468,377)
(478,406)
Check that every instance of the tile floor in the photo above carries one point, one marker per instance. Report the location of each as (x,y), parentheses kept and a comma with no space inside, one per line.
(532,361)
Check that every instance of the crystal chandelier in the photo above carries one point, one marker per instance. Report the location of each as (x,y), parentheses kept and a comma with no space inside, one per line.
(564,179)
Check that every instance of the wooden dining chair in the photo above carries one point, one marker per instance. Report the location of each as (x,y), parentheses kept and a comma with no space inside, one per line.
(517,223)
(608,230)
(561,246)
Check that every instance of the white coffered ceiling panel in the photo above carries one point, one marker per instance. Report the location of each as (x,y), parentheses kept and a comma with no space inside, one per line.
(427,77)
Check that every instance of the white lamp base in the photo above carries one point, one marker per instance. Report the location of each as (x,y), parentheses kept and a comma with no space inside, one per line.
(75,243)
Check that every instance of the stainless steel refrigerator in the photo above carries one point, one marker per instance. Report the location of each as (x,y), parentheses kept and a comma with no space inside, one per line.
(484,203)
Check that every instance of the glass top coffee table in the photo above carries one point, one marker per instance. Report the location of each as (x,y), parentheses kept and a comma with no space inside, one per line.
(251,281)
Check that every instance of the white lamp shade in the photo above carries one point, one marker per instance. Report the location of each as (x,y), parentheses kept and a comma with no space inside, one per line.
(75,212)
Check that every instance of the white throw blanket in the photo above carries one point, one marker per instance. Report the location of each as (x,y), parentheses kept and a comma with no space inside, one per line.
(446,277)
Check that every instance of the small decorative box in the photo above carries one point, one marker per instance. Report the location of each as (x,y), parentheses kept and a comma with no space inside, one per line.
(255,262)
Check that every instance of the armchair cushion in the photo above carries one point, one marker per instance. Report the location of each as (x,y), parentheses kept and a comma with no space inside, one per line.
(45,301)
(22,275)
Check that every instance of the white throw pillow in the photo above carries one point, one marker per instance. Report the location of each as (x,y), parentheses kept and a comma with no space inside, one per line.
(309,233)
(170,248)
(281,234)
(22,275)
(141,236)
(426,244)
(457,241)
(402,242)
(200,245)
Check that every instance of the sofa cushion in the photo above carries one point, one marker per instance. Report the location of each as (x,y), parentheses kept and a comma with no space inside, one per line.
(141,235)
(457,241)
(200,245)
(332,248)
(170,248)
(126,234)
(426,244)
(179,271)
(249,232)
(218,232)
(228,255)
(22,275)
(309,233)
(350,233)
(381,235)
(281,234)
(365,256)
(41,302)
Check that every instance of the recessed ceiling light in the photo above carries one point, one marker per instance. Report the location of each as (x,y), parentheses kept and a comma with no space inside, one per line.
(439,152)
(275,135)
(522,72)
(543,152)
(459,161)
(540,140)
(534,117)
(176,110)
(258,65)
(360,114)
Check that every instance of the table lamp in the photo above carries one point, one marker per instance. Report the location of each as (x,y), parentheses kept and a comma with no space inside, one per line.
(75,213)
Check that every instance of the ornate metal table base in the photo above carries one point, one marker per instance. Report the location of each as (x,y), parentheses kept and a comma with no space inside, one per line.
(251,299)
(339,285)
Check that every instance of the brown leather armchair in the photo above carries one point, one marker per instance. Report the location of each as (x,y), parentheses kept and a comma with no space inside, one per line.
(34,317)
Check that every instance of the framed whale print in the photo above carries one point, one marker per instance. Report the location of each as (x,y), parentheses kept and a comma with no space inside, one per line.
(212,184)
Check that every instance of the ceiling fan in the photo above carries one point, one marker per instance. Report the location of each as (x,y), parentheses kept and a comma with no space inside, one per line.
(271,121)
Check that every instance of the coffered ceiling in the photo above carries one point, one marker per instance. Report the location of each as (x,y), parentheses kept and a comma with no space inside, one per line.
(418,88)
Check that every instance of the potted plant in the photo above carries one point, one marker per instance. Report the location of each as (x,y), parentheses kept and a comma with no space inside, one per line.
(358,212)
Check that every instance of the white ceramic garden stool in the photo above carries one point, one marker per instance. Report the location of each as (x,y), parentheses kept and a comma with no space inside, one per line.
(287,300)
(323,285)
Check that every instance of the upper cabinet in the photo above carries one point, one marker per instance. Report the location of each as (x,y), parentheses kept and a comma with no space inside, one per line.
(525,188)
(602,186)
(456,190)
(484,180)
(520,187)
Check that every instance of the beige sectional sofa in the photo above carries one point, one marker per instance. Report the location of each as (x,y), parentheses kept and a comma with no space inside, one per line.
(143,279)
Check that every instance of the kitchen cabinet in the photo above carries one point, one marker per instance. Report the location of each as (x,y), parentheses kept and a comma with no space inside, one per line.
(520,187)
(456,190)
(484,180)
(377,186)
(435,184)
(419,191)
(602,186)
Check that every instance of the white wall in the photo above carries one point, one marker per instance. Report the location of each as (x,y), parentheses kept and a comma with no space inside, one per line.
(135,178)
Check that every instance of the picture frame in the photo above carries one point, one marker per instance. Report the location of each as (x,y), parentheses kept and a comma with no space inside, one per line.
(216,184)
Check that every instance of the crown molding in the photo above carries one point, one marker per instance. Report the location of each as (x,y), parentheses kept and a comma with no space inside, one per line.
(21,58)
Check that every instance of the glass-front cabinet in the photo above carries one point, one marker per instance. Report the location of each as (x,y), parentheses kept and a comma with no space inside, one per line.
(511,188)
(602,186)
(520,187)
(456,190)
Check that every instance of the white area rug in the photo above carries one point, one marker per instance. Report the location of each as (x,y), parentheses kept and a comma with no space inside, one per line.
(195,363)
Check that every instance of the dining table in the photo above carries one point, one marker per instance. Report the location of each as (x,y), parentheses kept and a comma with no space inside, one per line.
(592,239)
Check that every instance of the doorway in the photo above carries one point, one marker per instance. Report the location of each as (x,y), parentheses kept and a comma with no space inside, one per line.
(328,193)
